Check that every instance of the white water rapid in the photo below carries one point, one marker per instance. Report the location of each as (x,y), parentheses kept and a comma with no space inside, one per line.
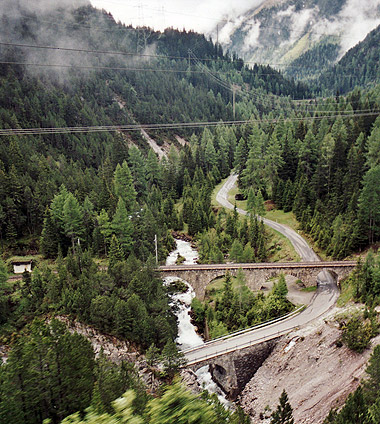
(181,302)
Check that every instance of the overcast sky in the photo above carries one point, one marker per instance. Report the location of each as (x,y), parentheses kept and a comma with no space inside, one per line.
(353,22)
(199,15)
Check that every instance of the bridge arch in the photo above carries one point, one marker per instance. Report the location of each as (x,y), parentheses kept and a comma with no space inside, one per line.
(200,276)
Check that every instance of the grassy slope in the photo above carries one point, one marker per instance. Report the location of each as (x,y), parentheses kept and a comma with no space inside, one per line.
(301,46)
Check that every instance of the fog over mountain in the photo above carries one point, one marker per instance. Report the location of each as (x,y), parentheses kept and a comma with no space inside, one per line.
(280,31)
(50,37)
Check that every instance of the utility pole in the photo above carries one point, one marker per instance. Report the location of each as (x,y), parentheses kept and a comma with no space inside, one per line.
(155,244)
(163,17)
(234,88)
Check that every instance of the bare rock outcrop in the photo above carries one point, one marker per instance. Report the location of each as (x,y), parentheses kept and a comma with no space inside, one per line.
(190,380)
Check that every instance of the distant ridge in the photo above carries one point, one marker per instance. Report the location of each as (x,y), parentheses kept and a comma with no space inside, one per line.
(284,33)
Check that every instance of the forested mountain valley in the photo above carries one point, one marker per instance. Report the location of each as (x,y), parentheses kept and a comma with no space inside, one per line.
(113,142)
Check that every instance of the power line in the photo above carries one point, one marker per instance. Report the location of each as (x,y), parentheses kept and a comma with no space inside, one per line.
(273,65)
(115,68)
(191,15)
(228,20)
(219,81)
(232,87)
(183,125)
(69,49)
(146,55)
(130,69)
(205,71)
(121,53)
(78,24)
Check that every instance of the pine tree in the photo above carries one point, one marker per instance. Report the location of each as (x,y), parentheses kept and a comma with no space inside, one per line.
(280,289)
(236,251)
(56,207)
(137,166)
(180,407)
(251,201)
(273,160)
(372,384)
(122,227)
(254,173)
(248,253)
(284,412)
(260,206)
(223,158)
(116,253)
(369,204)
(152,169)
(4,303)
(152,355)
(241,155)
(373,155)
(211,158)
(73,218)
(3,274)
(104,227)
(172,358)
(216,255)
(49,237)
(124,187)
(228,292)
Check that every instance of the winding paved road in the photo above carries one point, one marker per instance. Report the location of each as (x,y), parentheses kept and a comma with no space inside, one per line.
(300,245)
(325,297)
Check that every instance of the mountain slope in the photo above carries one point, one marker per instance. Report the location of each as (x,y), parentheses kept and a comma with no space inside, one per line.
(280,32)
(74,68)
(152,73)
(358,67)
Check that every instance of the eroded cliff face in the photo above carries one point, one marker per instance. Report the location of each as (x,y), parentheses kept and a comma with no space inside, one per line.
(316,374)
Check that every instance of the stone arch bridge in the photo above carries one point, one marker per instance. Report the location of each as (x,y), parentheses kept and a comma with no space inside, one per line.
(256,274)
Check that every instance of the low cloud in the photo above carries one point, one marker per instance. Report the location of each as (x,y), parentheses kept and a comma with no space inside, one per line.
(197,15)
(47,6)
(252,37)
(355,20)
(43,30)
(360,17)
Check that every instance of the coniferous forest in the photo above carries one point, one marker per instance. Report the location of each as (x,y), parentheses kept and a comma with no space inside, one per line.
(84,195)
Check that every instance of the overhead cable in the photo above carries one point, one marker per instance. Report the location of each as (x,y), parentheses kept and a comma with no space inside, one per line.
(183,125)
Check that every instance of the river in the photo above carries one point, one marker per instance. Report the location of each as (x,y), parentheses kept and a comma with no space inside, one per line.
(181,303)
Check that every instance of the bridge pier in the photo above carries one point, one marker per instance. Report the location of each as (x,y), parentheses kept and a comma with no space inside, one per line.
(234,370)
